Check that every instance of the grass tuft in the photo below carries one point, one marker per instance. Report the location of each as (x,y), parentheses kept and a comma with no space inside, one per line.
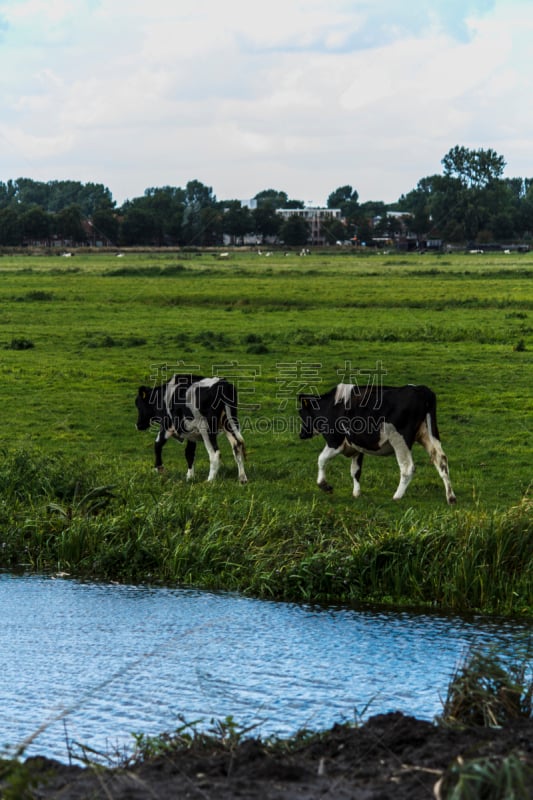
(487,692)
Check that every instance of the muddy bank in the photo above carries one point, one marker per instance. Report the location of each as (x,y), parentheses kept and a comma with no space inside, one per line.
(391,756)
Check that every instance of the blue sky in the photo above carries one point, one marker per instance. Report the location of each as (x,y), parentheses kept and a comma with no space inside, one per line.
(302,96)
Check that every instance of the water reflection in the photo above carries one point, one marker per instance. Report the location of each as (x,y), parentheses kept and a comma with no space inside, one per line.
(99,662)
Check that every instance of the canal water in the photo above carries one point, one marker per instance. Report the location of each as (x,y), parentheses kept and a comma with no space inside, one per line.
(89,664)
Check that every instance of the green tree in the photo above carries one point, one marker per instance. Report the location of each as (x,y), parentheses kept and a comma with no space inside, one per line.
(93,197)
(35,224)
(502,226)
(167,205)
(294,231)
(272,199)
(474,168)
(55,196)
(524,222)
(211,226)
(295,204)
(371,209)
(10,232)
(8,193)
(200,218)
(106,225)
(199,195)
(417,203)
(33,193)
(333,230)
(267,222)
(347,200)
(68,224)
(364,221)
(237,221)
(139,226)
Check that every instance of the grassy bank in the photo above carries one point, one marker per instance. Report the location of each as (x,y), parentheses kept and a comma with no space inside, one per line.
(59,516)
(77,492)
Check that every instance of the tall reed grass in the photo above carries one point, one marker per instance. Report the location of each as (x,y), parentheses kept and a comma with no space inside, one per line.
(56,515)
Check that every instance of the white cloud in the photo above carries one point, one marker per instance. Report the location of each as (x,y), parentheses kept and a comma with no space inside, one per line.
(37,146)
(302,96)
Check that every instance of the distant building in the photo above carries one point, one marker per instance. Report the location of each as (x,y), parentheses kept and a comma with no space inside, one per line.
(314,218)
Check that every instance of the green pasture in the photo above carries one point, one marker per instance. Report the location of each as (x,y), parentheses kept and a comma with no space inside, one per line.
(79,335)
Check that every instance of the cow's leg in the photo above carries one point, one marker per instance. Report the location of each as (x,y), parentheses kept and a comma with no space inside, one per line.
(433,448)
(214,459)
(237,446)
(208,430)
(355,471)
(326,455)
(234,436)
(190,451)
(405,461)
(210,441)
(160,442)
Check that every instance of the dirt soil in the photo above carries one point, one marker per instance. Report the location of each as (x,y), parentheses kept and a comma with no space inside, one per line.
(390,757)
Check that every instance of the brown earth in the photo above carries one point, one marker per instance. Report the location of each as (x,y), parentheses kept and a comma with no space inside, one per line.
(390,757)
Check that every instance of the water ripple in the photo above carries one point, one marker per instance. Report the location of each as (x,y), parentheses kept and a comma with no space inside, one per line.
(94,663)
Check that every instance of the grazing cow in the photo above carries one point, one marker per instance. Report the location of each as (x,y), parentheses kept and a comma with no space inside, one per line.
(190,408)
(378,421)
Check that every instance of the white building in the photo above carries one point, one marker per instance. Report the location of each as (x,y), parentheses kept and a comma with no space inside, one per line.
(314,218)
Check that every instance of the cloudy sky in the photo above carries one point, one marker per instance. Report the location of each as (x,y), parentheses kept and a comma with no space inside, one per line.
(301,96)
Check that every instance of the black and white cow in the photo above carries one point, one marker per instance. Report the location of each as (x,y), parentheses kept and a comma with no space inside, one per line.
(378,421)
(193,408)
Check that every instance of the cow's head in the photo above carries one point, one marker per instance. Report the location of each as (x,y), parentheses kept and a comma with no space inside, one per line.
(146,408)
(308,414)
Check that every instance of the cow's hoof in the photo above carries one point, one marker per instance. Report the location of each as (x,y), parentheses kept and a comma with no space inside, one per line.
(242,481)
(452,500)
(326,487)
(159,469)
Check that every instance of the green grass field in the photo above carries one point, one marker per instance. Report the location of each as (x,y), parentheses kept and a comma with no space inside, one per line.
(79,335)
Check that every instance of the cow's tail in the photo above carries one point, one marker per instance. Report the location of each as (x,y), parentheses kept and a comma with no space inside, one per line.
(430,399)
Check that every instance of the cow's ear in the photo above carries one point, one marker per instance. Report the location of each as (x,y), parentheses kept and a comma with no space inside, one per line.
(143,392)
(304,402)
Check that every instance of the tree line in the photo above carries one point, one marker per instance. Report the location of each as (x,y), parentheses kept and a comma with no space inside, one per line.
(470,201)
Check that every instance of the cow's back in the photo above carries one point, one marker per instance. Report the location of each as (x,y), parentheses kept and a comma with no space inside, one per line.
(407,408)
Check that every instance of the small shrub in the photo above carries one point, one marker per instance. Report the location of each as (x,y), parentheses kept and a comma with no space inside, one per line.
(172,269)
(212,340)
(257,349)
(485,692)
(110,341)
(37,295)
(135,341)
(20,344)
